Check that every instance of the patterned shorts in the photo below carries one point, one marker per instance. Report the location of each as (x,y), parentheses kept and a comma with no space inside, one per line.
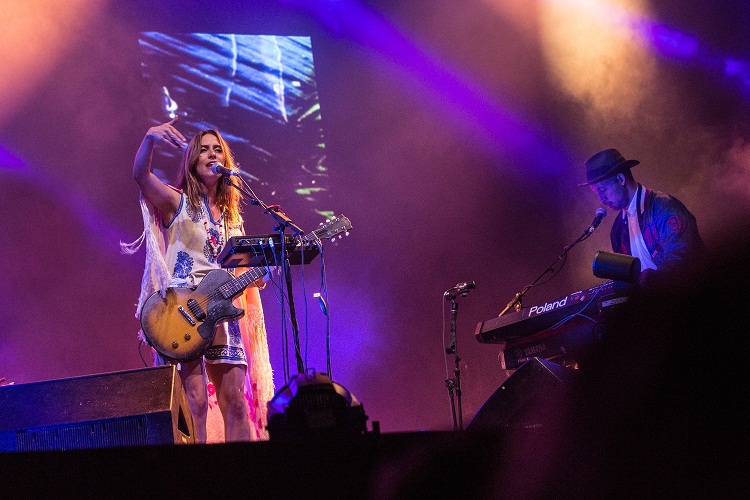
(227,345)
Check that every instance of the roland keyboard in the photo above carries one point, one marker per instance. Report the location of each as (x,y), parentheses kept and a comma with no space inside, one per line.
(531,320)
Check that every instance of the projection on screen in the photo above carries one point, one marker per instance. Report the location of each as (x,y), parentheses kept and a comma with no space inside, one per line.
(259,91)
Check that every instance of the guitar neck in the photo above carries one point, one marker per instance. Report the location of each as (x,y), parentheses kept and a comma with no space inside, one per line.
(234,287)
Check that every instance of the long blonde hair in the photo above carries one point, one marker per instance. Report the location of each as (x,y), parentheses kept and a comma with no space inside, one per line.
(227,197)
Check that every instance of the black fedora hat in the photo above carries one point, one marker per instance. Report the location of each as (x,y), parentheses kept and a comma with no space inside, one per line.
(604,164)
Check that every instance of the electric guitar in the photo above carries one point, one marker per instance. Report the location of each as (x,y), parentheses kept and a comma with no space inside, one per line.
(181,325)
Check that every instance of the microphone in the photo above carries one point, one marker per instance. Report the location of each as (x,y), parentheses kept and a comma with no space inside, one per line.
(459,289)
(218,168)
(600,214)
(462,287)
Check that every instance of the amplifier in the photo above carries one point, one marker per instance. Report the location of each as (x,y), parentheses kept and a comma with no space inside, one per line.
(129,408)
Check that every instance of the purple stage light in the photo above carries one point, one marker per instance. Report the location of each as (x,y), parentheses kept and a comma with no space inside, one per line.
(9,160)
(670,42)
(497,125)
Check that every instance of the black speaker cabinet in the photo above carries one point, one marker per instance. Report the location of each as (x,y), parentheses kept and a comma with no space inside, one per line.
(129,408)
(536,392)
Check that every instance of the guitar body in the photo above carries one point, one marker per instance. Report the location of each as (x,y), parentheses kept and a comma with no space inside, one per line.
(182,324)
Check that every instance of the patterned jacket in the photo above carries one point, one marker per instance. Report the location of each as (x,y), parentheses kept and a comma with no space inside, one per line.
(669,230)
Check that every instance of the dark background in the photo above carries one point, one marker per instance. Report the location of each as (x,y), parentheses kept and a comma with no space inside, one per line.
(455,135)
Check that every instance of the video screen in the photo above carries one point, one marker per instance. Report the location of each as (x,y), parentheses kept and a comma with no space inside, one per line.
(260,92)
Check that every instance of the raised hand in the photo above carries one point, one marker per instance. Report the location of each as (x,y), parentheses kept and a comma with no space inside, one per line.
(167,133)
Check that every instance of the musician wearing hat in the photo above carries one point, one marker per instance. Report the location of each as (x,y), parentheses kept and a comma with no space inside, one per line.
(653,226)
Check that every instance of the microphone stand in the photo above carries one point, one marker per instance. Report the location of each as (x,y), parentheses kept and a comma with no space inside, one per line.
(282,222)
(516,302)
(454,384)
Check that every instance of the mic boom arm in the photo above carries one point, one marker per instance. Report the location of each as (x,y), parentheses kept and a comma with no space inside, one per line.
(516,302)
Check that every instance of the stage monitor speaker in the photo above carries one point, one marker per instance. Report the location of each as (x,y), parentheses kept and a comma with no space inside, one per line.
(129,408)
(529,398)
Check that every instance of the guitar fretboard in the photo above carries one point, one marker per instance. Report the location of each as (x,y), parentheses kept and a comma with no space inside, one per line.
(232,288)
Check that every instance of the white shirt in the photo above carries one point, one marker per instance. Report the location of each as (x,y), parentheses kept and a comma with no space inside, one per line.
(637,244)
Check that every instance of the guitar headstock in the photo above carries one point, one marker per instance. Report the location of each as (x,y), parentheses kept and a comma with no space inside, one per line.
(332,227)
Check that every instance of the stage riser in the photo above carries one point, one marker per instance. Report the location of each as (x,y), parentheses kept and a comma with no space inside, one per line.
(373,466)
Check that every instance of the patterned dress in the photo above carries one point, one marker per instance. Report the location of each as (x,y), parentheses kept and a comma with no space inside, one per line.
(194,240)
